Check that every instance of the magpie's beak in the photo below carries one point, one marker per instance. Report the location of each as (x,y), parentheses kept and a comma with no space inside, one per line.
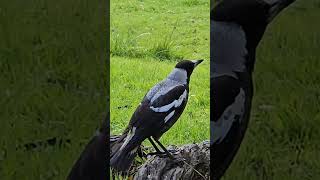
(276,7)
(197,62)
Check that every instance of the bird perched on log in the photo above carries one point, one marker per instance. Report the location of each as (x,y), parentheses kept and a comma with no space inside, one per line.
(159,110)
(236,30)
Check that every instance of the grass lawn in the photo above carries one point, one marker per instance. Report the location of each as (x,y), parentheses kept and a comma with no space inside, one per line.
(282,141)
(53,83)
(147,40)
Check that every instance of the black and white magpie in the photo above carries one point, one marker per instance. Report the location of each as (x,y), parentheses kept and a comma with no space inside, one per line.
(237,27)
(159,110)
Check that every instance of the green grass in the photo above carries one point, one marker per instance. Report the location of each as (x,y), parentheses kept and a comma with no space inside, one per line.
(142,28)
(282,141)
(53,83)
(147,40)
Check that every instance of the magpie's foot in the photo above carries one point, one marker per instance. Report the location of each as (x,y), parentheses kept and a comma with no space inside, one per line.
(179,160)
(170,154)
(142,154)
(173,151)
(163,155)
(155,153)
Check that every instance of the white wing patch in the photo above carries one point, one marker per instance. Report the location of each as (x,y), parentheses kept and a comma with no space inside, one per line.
(178,77)
(129,137)
(224,123)
(175,103)
(169,116)
(157,95)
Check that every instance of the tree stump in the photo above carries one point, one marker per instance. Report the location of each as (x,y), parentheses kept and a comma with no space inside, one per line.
(191,162)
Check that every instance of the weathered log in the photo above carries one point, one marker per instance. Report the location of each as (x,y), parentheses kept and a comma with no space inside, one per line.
(191,162)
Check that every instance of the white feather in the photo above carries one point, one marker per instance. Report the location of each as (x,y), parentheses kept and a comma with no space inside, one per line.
(129,137)
(175,103)
(160,93)
(169,116)
(224,123)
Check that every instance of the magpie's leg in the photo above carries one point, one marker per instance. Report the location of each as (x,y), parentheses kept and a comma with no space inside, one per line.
(164,149)
(155,147)
(141,153)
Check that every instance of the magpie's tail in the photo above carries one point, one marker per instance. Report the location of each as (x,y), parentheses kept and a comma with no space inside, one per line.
(123,152)
(123,159)
(92,162)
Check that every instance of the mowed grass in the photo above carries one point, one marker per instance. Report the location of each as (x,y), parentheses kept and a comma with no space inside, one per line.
(166,30)
(147,39)
(282,141)
(53,83)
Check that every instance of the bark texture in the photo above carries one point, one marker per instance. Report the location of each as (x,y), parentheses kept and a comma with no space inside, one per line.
(191,162)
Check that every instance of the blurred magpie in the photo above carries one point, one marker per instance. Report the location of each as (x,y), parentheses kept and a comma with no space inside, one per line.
(236,30)
(159,110)
(93,161)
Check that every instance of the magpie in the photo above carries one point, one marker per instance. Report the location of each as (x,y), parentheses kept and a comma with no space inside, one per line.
(236,29)
(93,161)
(159,110)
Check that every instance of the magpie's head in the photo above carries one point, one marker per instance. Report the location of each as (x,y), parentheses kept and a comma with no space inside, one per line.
(252,15)
(188,65)
(249,12)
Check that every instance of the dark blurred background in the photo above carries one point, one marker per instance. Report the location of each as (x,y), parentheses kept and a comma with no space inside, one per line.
(282,141)
(53,84)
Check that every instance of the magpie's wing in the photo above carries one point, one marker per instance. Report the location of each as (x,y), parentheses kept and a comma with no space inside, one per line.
(231,101)
(156,107)
(154,114)
(228,106)
(171,97)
